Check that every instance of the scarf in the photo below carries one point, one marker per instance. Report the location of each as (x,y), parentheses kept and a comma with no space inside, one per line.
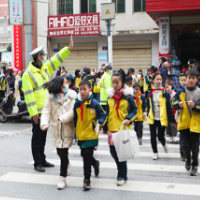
(153,90)
(117,96)
(73,87)
(137,98)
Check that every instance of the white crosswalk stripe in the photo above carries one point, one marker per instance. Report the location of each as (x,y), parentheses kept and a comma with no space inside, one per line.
(107,162)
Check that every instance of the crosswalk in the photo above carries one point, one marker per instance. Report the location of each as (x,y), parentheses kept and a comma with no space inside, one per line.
(168,165)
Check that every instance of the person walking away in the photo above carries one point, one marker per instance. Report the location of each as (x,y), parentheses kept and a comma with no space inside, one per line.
(163,72)
(187,100)
(159,112)
(88,114)
(162,61)
(63,72)
(20,88)
(58,113)
(33,79)
(141,104)
(171,130)
(140,80)
(3,84)
(106,83)
(147,79)
(77,78)
(121,110)
(70,82)
(89,77)
(11,80)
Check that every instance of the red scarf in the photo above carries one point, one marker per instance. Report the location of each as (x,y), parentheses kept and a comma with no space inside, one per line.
(81,112)
(73,87)
(153,90)
(118,102)
(137,98)
(79,76)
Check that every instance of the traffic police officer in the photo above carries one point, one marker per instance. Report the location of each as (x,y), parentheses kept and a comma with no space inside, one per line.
(33,79)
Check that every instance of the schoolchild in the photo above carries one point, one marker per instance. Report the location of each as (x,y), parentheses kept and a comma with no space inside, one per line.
(187,100)
(83,74)
(58,113)
(140,80)
(121,110)
(159,112)
(88,76)
(146,81)
(77,78)
(70,82)
(140,102)
(88,117)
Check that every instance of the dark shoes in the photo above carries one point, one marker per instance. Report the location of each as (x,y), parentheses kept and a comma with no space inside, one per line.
(47,164)
(86,184)
(194,171)
(140,141)
(187,166)
(96,168)
(39,168)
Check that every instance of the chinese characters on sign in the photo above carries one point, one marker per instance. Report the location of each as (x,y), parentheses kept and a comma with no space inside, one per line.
(164,36)
(17,47)
(87,24)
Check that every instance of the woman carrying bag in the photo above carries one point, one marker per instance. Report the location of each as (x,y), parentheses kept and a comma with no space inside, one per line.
(121,109)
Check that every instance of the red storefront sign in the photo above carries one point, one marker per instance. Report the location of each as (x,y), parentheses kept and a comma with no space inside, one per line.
(87,24)
(17,47)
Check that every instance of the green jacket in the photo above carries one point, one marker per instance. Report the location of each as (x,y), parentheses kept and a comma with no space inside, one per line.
(34,78)
(106,82)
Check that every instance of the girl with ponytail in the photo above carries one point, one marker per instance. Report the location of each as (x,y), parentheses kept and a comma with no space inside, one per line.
(121,110)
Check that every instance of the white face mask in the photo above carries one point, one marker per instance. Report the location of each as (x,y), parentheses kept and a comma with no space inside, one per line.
(65,90)
(110,72)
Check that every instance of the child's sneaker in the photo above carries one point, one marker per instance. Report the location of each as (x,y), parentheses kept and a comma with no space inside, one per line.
(155,156)
(165,148)
(61,183)
(86,184)
(194,171)
(120,182)
(187,166)
(170,140)
(96,168)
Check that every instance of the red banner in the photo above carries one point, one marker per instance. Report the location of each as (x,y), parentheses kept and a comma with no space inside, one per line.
(17,47)
(87,24)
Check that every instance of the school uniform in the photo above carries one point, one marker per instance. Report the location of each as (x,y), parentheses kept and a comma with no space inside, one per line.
(86,115)
(159,112)
(120,108)
(188,122)
(141,107)
(77,80)
(90,78)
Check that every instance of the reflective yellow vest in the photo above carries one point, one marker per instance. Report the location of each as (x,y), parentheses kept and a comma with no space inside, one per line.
(34,78)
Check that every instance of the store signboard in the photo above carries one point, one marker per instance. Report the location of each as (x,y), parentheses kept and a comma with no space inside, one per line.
(164,36)
(102,56)
(16,12)
(87,24)
(17,47)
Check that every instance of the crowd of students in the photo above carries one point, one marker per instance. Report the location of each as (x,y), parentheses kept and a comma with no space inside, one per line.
(73,102)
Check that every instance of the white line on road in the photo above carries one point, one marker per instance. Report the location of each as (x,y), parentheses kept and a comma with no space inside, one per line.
(131,166)
(108,184)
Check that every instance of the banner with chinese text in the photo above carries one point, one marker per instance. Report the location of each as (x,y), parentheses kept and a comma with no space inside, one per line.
(87,24)
(164,36)
(17,47)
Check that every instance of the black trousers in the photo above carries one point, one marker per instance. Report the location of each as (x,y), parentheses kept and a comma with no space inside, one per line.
(88,161)
(64,161)
(139,129)
(38,143)
(161,135)
(190,143)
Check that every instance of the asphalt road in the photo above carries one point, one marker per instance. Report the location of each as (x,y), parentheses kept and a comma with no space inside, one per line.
(163,179)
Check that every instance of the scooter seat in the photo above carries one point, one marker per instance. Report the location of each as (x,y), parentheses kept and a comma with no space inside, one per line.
(21,103)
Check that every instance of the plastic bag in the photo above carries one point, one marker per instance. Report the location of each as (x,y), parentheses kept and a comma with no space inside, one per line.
(126,144)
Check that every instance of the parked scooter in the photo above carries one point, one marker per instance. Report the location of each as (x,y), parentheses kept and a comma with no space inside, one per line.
(6,108)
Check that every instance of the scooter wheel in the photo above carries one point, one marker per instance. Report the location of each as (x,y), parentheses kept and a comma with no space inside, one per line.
(3,119)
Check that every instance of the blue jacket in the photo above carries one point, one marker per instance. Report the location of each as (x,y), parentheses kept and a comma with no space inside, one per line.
(72,86)
(163,71)
(83,74)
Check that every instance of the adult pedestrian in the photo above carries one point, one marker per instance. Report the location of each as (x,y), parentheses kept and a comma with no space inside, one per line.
(11,80)
(58,71)
(3,84)
(163,72)
(17,79)
(63,72)
(33,79)
(106,82)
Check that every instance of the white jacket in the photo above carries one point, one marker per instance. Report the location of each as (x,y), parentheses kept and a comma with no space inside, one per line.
(62,130)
